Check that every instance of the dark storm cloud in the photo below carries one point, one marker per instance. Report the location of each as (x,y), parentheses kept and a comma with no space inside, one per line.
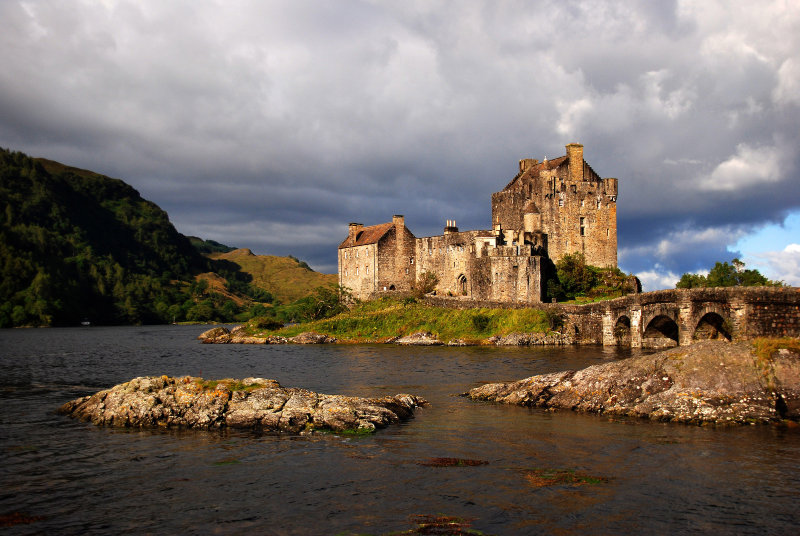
(271,125)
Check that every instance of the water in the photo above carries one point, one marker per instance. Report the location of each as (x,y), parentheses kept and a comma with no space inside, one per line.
(66,477)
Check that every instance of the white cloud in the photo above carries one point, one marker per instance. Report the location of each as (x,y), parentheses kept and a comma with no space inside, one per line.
(788,89)
(657,278)
(750,166)
(781,265)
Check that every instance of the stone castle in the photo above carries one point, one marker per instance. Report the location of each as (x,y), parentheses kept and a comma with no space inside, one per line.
(549,209)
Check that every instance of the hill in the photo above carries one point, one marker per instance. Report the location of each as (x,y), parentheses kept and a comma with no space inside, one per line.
(286,278)
(75,245)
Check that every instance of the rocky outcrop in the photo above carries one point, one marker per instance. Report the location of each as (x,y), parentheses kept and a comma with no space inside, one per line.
(309,337)
(421,338)
(531,339)
(707,383)
(253,403)
(222,335)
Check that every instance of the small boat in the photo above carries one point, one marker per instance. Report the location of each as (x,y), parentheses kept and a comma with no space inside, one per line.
(86,322)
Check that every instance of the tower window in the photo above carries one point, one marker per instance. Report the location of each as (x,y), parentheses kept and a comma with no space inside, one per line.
(583,227)
(560,201)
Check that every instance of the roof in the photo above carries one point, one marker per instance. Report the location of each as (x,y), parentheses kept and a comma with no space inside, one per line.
(541,166)
(368,235)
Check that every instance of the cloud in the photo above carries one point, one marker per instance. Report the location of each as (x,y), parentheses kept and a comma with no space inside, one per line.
(781,265)
(245,119)
(750,166)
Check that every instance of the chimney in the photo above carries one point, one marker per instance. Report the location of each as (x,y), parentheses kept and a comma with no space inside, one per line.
(399,222)
(575,157)
(354,228)
(527,163)
(450,227)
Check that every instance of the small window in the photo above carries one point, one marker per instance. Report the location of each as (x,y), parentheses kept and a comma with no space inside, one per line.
(356,270)
(598,203)
(412,260)
(406,270)
(366,269)
(560,202)
(583,227)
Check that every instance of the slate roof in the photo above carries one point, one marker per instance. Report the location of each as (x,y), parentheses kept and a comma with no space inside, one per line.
(368,235)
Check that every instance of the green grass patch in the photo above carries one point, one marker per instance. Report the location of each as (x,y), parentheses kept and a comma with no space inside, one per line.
(384,318)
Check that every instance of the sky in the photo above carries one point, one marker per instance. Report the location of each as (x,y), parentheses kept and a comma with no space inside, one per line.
(271,125)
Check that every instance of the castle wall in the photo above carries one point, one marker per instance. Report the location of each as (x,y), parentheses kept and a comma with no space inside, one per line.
(358,269)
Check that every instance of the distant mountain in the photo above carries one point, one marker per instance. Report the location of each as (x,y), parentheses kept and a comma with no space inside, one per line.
(78,245)
(286,278)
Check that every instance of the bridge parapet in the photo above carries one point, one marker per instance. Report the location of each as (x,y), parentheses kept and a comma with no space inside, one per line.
(679,316)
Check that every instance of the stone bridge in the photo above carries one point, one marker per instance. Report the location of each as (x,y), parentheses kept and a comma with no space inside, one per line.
(677,317)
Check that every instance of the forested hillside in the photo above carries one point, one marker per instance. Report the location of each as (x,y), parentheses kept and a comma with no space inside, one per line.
(77,245)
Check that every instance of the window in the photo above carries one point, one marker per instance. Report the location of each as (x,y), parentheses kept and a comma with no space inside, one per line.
(560,201)
(583,227)
(366,269)
(598,202)
(356,270)
(412,260)
(406,270)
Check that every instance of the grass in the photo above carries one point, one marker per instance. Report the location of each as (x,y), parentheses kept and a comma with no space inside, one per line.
(766,347)
(378,320)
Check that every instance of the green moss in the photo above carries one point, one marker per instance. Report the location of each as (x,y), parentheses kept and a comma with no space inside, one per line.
(553,477)
(231,384)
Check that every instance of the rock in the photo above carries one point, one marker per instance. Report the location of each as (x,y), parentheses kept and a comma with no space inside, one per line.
(710,382)
(309,337)
(253,403)
(531,339)
(215,335)
(421,338)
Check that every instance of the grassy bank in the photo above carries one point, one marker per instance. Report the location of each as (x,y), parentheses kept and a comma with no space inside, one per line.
(385,318)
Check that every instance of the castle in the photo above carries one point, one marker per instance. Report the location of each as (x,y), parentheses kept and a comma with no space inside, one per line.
(549,209)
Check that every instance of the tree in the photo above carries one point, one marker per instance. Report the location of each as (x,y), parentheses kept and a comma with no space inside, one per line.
(727,275)
(425,284)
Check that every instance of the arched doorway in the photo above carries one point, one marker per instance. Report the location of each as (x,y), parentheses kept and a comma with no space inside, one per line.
(622,331)
(462,285)
(661,332)
(712,327)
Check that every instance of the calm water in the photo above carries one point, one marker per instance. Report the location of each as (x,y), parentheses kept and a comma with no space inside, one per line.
(67,477)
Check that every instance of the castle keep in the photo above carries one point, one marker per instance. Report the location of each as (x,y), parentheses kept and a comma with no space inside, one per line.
(549,209)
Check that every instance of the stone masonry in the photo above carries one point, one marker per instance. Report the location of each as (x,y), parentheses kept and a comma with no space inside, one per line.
(549,209)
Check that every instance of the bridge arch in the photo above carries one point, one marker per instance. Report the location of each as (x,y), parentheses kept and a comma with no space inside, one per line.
(712,325)
(660,332)
(622,331)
